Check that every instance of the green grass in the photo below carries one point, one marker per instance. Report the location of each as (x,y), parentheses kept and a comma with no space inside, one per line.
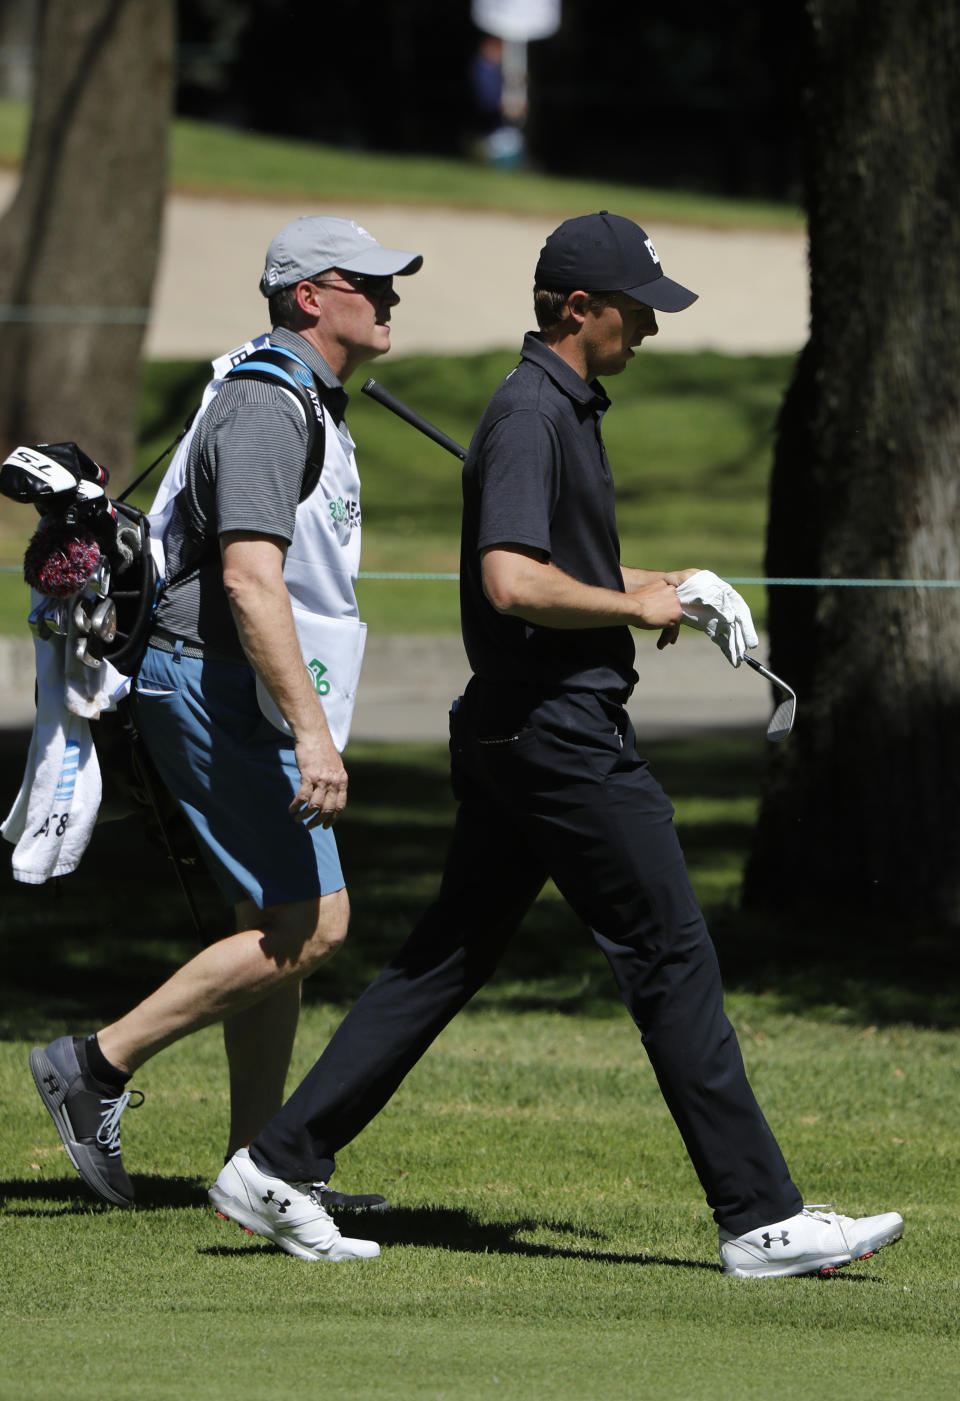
(548,1236)
(214,160)
(690,437)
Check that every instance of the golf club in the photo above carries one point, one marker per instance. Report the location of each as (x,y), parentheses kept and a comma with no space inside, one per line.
(395,405)
(781,721)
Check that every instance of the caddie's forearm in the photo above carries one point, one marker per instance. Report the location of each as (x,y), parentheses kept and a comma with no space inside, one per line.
(264,620)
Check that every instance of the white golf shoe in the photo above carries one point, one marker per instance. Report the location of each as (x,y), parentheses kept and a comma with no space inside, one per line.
(815,1241)
(289,1214)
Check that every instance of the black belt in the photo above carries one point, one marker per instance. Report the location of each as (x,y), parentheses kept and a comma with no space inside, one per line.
(169,642)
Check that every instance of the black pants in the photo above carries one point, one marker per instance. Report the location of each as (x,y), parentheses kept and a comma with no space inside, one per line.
(552,786)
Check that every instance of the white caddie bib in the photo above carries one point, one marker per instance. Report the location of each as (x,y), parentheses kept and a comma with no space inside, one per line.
(320,569)
(320,572)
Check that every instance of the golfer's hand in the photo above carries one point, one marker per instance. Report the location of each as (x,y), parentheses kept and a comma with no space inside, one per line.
(658,607)
(680,576)
(322,794)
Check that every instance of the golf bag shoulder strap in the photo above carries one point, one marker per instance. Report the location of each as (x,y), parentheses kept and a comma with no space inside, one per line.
(284,369)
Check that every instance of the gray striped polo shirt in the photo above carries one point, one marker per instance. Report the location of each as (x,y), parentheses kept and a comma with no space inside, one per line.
(244,472)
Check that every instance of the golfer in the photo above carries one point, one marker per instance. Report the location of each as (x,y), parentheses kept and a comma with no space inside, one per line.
(262,547)
(549,784)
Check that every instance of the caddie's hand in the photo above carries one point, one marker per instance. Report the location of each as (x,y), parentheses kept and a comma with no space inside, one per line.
(322,794)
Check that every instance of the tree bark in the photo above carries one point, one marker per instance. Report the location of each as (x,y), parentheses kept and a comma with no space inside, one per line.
(79,244)
(862,807)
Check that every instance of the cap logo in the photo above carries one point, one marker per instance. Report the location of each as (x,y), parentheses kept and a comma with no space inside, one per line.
(651,250)
(279,269)
(362,231)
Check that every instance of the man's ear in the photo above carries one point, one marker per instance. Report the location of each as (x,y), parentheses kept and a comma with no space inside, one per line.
(309,299)
(578,304)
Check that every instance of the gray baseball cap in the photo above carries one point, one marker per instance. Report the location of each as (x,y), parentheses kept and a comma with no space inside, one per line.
(315,242)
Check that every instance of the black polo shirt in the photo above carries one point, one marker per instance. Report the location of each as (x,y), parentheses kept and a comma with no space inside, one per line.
(537,474)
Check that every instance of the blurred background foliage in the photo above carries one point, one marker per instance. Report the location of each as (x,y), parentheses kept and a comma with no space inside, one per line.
(699,97)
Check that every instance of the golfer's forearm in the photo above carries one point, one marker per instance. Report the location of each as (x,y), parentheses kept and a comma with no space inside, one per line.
(542,594)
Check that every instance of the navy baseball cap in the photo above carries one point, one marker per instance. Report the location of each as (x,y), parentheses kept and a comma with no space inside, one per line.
(607,253)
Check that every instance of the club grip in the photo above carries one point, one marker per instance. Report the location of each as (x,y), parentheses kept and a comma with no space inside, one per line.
(397,406)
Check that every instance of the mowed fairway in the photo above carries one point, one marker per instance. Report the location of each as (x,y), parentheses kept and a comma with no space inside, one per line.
(548,1237)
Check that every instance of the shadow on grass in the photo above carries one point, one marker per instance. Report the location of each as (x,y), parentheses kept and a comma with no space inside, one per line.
(18,1195)
(82,950)
(447,1228)
(432,1227)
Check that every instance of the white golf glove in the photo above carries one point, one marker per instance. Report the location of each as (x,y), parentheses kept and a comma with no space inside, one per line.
(716,608)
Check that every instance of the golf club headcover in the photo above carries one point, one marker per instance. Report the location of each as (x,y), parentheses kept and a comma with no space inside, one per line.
(60,558)
(51,476)
(714,607)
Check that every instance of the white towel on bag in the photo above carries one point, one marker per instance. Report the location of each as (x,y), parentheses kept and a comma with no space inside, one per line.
(56,809)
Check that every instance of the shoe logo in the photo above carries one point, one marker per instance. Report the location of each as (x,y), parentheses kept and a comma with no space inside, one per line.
(52,1083)
(271,1200)
(768,1239)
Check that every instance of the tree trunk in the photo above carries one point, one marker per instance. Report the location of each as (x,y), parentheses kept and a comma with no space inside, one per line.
(79,244)
(862,808)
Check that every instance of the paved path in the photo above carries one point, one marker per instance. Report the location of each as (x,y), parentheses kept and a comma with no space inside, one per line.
(473,292)
(408,683)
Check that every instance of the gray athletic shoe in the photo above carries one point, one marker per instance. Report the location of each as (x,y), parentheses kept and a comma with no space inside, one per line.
(287,1213)
(815,1241)
(87,1116)
(332,1200)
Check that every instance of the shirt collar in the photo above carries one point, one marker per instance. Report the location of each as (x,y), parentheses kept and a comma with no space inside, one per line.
(564,376)
(337,398)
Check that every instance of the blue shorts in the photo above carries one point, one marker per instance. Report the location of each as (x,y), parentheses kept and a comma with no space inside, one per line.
(235,775)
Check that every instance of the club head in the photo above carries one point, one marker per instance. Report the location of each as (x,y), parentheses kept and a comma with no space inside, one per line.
(781,721)
(99,581)
(785,712)
(103,621)
(81,615)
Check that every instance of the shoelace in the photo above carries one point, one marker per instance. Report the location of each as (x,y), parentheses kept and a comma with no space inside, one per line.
(314,1190)
(108,1134)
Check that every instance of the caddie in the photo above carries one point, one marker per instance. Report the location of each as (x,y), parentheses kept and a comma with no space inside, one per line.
(245,692)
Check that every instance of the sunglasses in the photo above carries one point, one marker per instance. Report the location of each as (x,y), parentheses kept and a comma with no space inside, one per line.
(363,282)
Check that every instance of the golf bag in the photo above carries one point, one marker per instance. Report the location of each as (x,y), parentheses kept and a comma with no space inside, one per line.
(91,563)
(89,558)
